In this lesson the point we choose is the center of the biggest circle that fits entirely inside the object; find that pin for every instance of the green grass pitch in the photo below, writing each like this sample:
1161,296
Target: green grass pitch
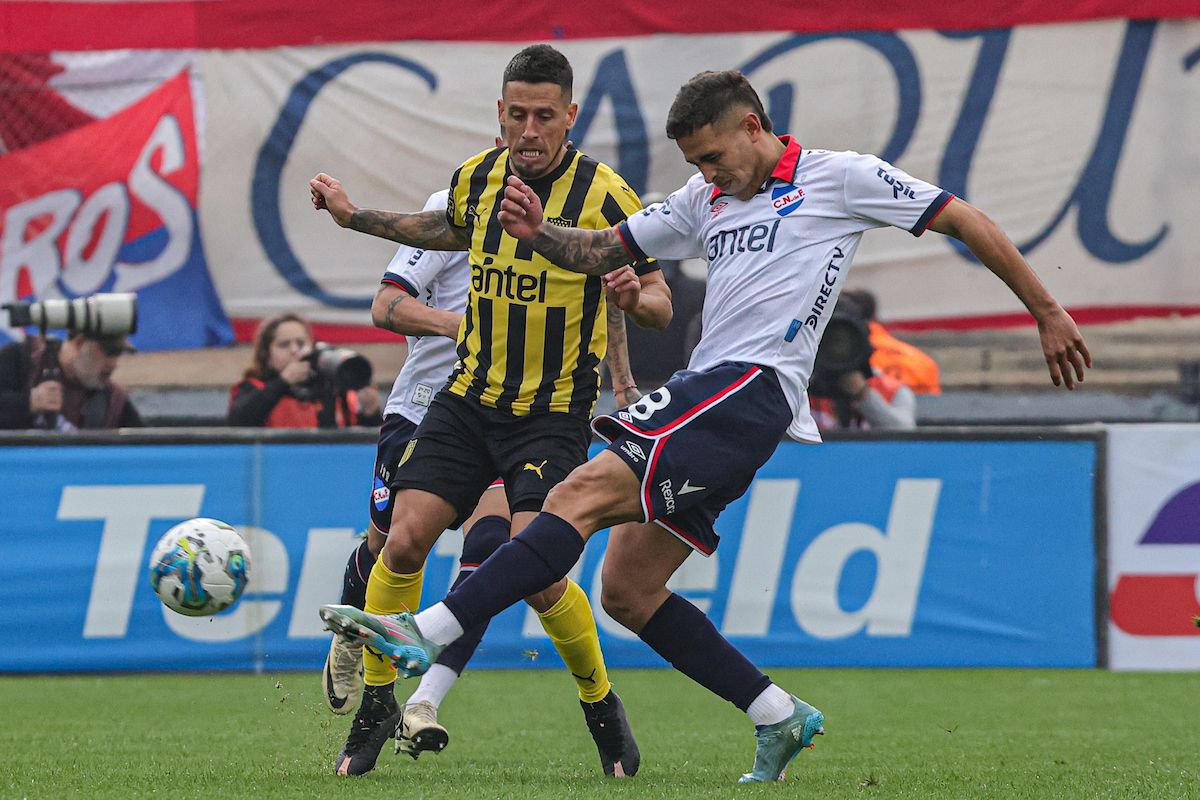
520,734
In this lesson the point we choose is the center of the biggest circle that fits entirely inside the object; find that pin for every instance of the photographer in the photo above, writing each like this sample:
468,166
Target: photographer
905,362
67,385
845,391
282,387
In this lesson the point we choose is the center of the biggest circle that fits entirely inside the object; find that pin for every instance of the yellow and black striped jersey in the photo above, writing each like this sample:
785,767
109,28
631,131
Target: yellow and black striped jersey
533,334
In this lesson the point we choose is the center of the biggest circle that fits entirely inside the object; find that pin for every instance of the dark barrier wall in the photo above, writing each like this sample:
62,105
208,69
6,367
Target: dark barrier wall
954,549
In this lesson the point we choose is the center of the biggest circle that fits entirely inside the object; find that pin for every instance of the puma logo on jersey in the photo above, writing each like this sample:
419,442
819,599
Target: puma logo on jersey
538,469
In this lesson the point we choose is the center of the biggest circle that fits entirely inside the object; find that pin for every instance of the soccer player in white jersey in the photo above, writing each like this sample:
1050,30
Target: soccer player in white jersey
779,226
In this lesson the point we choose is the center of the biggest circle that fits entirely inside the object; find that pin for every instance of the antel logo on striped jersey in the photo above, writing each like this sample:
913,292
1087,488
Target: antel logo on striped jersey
786,199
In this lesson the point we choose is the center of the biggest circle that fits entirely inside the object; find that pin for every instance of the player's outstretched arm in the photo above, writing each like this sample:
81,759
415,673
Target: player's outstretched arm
1062,344
428,229
573,249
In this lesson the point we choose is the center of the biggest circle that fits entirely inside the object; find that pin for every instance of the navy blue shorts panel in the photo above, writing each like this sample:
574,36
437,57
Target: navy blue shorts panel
696,443
394,435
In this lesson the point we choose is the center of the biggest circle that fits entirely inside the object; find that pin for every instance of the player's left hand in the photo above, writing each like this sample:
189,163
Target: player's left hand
327,193
520,210
624,288
1064,348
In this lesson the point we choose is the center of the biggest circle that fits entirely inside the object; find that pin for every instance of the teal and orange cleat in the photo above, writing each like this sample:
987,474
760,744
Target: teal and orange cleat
778,744
394,635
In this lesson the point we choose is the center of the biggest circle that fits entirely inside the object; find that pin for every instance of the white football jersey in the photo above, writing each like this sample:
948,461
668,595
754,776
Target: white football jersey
439,279
777,262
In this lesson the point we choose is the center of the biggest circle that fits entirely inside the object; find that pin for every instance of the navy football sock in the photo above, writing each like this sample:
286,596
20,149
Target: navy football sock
531,561
485,537
358,569
680,633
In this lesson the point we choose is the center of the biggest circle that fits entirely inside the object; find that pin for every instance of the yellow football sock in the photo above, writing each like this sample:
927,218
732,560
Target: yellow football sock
572,628
388,593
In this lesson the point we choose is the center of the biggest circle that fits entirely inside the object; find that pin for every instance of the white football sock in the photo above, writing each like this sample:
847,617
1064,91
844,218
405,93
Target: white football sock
773,705
435,685
438,624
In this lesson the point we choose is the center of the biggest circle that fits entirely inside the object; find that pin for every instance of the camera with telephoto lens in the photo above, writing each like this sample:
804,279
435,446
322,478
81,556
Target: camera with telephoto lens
845,347
97,315
335,369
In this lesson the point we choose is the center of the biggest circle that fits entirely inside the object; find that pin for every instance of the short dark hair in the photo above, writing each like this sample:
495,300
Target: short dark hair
705,99
540,63
866,301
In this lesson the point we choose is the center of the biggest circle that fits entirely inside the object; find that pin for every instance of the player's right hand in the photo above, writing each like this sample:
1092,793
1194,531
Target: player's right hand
1063,346
46,396
327,193
520,210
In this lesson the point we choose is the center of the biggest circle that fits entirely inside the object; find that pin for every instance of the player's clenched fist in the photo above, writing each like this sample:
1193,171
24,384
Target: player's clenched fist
623,287
520,210
327,193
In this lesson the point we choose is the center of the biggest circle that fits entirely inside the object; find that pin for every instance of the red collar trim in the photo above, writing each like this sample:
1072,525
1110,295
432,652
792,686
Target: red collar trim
785,168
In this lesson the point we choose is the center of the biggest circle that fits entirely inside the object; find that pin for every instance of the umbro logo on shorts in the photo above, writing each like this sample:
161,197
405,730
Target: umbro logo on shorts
634,451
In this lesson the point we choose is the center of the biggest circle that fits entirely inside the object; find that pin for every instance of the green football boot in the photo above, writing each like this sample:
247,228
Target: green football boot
778,744
395,635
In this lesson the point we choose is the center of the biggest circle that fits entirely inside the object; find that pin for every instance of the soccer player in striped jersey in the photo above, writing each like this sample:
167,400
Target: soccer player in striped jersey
520,399
423,295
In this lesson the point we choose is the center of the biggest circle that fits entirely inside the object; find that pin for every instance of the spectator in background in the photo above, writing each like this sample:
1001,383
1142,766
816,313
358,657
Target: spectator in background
847,390
280,388
905,362
64,385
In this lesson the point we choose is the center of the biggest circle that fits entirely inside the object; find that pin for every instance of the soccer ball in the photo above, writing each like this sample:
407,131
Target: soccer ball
200,567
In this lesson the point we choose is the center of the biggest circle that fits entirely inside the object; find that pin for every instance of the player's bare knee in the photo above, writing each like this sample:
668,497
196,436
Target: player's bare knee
575,498
404,552
546,599
620,602
589,497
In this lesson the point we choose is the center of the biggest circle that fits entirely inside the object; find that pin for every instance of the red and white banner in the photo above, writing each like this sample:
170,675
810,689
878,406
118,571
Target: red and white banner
110,205
1154,546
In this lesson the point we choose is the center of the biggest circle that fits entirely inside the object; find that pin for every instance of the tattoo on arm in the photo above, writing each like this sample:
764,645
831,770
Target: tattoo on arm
618,348
589,252
388,322
427,229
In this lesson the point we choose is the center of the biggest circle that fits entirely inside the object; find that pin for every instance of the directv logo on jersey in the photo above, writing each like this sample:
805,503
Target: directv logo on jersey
786,199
